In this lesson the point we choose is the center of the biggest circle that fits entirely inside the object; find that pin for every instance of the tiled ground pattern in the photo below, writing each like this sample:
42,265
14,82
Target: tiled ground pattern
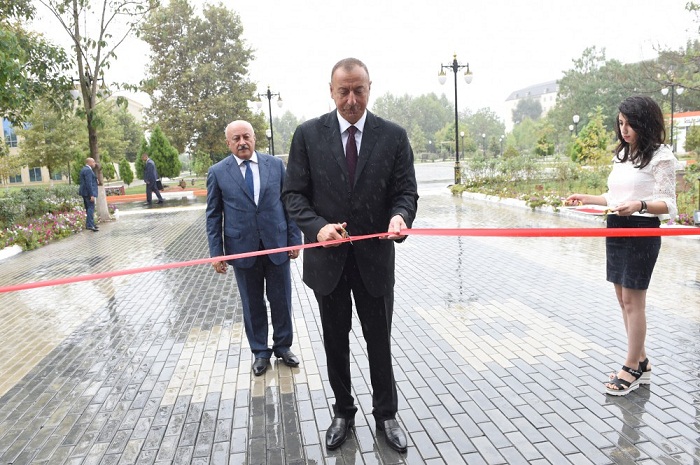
501,346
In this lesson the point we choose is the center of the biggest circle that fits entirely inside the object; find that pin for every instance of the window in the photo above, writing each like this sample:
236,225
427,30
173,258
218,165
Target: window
57,176
16,178
35,174
9,133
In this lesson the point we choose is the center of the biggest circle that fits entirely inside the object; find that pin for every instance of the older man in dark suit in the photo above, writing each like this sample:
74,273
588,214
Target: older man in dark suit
350,170
88,191
245,214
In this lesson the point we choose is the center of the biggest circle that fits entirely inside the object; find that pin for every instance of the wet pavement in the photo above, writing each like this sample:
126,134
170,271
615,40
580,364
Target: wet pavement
501,346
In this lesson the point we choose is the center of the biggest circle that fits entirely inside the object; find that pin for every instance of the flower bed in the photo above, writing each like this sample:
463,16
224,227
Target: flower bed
42,230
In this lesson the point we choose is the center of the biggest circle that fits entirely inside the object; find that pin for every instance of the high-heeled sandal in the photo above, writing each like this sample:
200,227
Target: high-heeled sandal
623,387
646,372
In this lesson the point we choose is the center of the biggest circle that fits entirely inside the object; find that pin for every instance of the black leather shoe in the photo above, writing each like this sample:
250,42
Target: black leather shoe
289,359
395,436
337,433
260,366
160,201
93,229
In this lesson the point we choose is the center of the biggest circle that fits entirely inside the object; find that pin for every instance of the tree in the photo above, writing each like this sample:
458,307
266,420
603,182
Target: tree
527,108
197,78
9,164
284,127
51,138
31,68
93,51
692,139
140,165
125,171
132,132
164,155
202,163
590,147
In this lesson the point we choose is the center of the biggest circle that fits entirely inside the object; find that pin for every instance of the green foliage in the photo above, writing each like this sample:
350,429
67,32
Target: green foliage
21,205
197,77
202,162
527,108
164,155
125,171
132,133
51,138
139,165
692,139
31,68
591,145
284,127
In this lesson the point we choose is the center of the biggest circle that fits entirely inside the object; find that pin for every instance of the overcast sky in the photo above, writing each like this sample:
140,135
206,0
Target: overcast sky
509,44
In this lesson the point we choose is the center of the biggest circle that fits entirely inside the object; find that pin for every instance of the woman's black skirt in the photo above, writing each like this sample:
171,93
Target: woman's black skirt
631,260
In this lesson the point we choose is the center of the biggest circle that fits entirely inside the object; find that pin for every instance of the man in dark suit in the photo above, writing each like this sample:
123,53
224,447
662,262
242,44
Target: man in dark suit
150,177
350,170
88,191
245,214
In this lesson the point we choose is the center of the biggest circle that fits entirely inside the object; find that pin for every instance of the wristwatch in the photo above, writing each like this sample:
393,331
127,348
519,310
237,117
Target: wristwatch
644,207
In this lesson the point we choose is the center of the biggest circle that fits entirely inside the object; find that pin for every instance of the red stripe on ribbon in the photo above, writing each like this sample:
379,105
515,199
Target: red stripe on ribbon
472,232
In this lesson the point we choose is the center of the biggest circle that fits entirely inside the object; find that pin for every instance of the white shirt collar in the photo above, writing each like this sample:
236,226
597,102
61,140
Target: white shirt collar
253,158
344,125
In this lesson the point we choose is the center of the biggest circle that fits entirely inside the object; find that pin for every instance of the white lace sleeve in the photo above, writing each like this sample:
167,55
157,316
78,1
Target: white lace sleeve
664,171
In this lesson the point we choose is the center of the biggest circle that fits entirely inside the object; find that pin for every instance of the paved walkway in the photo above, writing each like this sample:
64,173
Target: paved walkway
500,345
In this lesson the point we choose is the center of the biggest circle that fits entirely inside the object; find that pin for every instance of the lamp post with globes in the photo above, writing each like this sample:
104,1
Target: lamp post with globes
483,143
500,139
269,96
461,134
576,119
675,89
442,77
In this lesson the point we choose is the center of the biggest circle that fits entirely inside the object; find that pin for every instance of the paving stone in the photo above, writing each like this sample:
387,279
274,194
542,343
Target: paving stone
498,358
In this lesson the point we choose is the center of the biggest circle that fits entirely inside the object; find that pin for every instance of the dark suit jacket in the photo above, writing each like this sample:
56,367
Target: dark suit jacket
150,173
88,182
235,224
316,192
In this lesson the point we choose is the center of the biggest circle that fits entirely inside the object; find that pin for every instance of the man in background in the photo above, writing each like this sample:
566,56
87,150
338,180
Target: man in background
150,177
88,191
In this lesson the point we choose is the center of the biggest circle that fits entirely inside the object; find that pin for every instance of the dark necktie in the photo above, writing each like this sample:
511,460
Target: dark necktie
351,154
249,178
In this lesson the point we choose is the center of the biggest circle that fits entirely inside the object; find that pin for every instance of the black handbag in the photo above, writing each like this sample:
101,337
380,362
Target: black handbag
159,184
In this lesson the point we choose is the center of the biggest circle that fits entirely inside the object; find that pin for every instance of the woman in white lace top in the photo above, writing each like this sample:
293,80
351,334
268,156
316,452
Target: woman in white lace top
641,191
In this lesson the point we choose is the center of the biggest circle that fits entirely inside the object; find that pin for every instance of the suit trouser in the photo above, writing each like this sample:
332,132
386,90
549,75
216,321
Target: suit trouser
252,283
89,212
150,189
375,315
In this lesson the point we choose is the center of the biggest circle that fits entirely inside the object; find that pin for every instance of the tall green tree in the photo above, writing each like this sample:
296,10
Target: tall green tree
198,76
125,172
111,22
284,127
31,68
592,145
51,138
132,131
164,155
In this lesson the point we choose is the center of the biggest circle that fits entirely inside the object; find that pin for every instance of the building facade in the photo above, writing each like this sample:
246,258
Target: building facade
545,93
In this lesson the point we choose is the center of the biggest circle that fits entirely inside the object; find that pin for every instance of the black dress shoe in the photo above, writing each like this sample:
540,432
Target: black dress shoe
395,436
337,433
259,366
160,201
289,359
93,229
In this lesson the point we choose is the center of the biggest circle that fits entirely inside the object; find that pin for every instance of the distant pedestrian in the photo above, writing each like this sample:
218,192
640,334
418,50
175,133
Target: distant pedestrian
641,190
88,191
150,177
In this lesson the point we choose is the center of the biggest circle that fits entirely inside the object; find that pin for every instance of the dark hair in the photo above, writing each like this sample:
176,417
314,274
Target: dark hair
347,64
645,117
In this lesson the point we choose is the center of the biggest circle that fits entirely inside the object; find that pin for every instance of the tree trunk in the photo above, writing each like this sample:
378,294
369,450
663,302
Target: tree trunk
101,205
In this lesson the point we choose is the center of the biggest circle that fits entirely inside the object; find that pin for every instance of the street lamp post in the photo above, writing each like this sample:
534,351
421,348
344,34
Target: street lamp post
461,134
571,129
576,120
675,89
269,96
483,143
455,67
500,139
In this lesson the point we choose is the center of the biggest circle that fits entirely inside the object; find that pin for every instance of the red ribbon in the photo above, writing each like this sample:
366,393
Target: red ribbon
473,232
